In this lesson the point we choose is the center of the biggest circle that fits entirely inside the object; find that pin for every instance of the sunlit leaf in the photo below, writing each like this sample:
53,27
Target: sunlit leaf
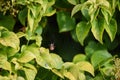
58,73
51,2
75,71
18,66
30,20
40,61
65,22
57,61
76,9
98,26
82,76
30,66
82,31
28,53
106,16
94,14
69,76
37,38
111,29
30,73
68,65
20,78
79,57
74,2
9,39
85,66
20,34
4,78
34,9
26,56
47,60
4,64
50,12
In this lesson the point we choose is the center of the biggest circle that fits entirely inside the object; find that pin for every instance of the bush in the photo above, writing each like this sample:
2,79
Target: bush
59,39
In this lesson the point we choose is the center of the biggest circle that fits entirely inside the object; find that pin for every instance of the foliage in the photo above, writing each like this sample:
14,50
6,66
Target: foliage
84,32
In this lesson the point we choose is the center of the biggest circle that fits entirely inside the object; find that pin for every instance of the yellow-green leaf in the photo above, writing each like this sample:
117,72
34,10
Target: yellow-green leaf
79,57
76,9
85,66
74,2
98,28
69,76
58,73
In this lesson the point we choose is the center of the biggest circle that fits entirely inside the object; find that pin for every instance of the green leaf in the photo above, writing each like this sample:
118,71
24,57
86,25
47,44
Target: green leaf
30,66
74,36
82,76
11,51
75,72
76,9
69,76
20,34
58,73
99,56
26,56
108,70
7,21
74,2
79,57
37,38
9,39
39,30
99,77
72,72
34,9
40,61
93,14
111,29
106,16
44,59
30,20
17,66
20,78
82,31
30,73
85,13
92,47
47,61
85,66
62,4
4,64
65,22
22,16
98,26
68,65
119,5
57,61
4,78
28,53
49,12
